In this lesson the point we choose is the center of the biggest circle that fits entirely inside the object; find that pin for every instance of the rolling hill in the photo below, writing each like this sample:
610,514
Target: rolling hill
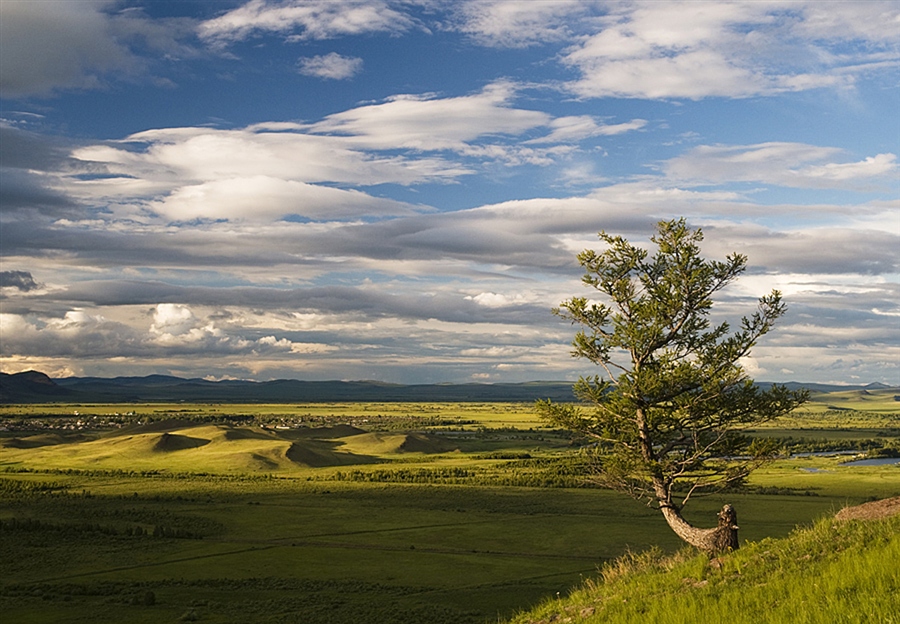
175,446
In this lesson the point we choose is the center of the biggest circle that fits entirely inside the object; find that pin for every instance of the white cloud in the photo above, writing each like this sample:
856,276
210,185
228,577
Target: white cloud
864,20
693,75
513,23
305,19
265,198
309,347
498,300
174,156
693,50
172,318
577,128
176,331
431,123
779,163
257,172
270,170
78,331
496,352
872,166
13,325
331,66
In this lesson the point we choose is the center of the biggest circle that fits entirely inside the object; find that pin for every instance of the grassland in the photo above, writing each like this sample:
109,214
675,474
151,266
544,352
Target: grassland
831,572
353,512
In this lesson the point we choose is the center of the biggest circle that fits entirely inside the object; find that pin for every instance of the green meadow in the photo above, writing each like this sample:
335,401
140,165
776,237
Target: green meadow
352,512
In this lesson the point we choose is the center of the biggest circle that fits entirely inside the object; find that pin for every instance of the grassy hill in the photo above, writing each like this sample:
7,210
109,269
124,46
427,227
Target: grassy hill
834,571
178,446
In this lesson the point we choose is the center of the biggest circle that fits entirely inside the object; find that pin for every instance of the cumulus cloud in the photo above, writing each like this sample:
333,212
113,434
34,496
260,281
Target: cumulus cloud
172,318
176,331
305,19
498,300
75,333
331,66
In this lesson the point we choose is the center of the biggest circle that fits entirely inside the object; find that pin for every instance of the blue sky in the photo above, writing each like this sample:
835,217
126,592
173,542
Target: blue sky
371,189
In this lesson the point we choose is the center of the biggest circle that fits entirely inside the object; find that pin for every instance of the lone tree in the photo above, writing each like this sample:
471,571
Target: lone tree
667,414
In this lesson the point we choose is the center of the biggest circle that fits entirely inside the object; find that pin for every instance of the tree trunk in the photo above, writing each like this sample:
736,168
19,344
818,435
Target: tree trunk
713,541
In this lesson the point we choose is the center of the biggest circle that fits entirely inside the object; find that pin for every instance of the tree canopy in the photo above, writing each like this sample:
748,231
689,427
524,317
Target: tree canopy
667,413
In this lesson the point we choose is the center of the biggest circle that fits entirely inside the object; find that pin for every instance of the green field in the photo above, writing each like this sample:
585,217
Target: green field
354,512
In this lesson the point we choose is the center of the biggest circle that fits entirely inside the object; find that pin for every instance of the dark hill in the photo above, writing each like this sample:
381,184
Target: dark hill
161,388
33,387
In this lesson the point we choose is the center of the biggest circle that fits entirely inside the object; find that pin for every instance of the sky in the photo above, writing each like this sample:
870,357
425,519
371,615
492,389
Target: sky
396,190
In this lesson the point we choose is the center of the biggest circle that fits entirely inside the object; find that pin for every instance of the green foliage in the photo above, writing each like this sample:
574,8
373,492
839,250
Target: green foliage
667,412
547,472
12,488
405,475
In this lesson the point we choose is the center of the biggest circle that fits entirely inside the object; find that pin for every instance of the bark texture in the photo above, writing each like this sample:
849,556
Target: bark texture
721,539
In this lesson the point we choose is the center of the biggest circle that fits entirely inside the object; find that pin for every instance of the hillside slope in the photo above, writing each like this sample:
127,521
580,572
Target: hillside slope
834,571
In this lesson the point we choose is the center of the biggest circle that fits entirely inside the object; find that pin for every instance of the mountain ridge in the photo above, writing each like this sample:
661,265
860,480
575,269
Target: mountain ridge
37,387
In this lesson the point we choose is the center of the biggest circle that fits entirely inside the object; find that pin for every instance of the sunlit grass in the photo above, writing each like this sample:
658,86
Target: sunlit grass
515,415
829,572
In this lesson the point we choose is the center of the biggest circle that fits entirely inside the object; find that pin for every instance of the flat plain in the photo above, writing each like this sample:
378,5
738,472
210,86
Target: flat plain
348,512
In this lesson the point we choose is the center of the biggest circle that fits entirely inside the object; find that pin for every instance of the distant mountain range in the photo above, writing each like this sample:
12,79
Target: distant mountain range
36,387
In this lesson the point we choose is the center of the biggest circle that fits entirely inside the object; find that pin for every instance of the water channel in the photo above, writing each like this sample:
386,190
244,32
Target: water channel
875,461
